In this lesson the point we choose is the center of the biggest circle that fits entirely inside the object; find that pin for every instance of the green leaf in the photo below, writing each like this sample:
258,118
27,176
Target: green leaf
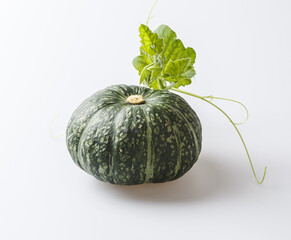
180,71
183,82
151,44
164,59
178,67
141,61
173,47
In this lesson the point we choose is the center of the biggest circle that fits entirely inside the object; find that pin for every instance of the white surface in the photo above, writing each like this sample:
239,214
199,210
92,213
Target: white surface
54,54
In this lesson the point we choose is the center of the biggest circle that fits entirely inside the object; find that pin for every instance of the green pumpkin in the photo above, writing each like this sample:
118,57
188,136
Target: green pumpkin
130,135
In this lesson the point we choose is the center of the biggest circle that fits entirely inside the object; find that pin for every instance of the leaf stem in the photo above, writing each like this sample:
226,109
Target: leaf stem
170,86
234,125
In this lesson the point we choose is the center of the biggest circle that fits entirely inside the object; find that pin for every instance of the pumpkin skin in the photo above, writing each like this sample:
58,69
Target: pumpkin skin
126,144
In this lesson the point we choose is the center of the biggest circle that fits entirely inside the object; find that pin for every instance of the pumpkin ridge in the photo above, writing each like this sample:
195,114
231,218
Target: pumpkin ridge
149,166
192,130
177,134
176,111
112,144
178,139
79,156
74,127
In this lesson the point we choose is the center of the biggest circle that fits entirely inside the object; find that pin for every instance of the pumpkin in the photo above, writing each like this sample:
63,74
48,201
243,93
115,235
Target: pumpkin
130,135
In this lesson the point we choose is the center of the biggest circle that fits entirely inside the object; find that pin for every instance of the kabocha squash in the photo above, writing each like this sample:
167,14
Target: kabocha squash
130,135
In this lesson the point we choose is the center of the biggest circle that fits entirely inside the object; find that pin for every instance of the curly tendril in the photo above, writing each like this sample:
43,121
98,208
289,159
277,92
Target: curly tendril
231,100
234,125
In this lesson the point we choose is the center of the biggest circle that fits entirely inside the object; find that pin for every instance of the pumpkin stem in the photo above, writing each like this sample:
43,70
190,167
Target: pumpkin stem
135,99
234,125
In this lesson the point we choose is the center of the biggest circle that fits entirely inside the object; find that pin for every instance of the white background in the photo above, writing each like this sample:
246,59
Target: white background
54,54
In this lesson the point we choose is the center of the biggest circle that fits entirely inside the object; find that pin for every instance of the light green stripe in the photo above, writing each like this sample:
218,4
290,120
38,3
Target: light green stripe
80,149
178,140
149,171
114,141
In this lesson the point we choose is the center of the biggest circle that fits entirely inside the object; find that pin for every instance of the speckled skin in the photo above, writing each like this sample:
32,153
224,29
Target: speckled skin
127,144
